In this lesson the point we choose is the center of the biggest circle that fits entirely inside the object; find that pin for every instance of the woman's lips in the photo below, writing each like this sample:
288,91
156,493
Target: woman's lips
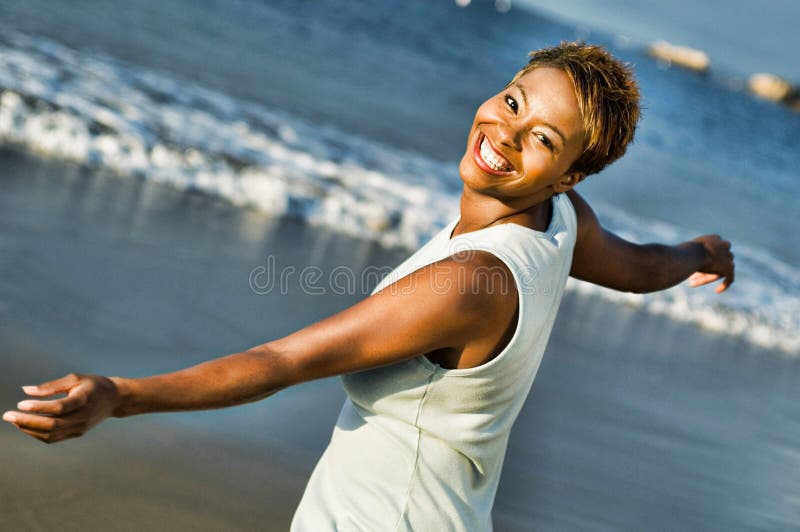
488,160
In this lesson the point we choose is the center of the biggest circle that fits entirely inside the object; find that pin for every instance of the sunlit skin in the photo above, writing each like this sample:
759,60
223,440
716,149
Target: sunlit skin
524,124
534,130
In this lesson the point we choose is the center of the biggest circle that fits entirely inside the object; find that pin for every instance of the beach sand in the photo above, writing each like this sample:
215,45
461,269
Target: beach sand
634,422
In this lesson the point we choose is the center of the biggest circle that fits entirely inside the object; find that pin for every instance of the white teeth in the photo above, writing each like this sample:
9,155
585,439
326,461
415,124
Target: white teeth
492,159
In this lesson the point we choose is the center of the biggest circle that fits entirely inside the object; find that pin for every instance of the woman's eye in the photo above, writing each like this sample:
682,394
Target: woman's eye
512,103
546,141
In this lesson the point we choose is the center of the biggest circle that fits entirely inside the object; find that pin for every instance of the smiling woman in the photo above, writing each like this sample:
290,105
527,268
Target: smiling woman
438,361
525,139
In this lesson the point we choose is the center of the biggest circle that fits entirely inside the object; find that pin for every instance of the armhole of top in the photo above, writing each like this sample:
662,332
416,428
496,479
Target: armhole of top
570,216
486,366
385,281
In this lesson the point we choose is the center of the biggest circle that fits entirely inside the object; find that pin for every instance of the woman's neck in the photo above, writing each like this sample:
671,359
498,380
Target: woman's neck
480,210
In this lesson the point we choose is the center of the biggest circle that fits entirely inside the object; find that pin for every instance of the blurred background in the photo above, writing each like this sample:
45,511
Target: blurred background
154,154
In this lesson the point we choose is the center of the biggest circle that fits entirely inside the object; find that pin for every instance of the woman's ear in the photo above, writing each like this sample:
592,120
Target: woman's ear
567,181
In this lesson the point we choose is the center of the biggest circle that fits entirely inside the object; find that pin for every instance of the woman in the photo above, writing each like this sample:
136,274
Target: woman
439,360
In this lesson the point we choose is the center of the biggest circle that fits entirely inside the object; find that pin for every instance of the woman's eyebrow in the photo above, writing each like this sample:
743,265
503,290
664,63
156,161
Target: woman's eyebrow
554,128
524,94
547,124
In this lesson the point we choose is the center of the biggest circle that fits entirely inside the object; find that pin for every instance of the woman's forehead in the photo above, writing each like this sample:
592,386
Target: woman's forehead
550,94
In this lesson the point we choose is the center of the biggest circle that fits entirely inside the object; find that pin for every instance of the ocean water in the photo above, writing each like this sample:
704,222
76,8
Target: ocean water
741,37
353,115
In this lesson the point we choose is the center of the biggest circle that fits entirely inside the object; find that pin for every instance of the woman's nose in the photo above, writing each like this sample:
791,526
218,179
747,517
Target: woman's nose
509,137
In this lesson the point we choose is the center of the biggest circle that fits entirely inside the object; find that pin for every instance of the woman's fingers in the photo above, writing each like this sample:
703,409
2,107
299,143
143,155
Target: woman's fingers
725,283
55,407
62,385
39,435
33,421
46,437
45,428
700,279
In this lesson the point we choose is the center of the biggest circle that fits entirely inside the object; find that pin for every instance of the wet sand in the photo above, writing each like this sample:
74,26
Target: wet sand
634,422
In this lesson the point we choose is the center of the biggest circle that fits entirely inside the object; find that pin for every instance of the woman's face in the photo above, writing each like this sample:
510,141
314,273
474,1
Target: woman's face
524,139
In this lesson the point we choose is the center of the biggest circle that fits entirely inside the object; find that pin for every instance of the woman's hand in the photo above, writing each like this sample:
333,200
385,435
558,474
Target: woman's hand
719,263
90,399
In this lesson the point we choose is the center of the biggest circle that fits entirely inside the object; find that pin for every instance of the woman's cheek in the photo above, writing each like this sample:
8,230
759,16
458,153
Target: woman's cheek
532,167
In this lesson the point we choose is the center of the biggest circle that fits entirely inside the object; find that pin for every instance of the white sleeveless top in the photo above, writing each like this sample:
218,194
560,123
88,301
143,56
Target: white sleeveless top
420,447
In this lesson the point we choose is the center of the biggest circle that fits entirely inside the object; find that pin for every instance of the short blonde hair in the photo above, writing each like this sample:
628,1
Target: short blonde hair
608,97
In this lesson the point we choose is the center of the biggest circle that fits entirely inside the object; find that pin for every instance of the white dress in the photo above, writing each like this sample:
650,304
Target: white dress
420,447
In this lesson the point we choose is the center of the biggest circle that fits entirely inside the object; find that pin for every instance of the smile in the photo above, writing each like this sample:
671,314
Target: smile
489,160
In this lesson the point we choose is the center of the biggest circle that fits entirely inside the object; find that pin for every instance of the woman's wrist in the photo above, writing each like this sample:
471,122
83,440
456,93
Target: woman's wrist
698,253
122,397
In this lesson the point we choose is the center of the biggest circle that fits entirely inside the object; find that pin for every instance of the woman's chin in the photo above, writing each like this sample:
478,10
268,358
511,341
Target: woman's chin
471,176
475,178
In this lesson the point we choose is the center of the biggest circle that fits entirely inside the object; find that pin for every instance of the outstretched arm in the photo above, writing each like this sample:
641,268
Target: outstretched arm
603,258
446,305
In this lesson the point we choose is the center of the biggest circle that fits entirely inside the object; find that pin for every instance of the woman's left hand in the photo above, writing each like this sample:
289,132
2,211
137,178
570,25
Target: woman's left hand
719,263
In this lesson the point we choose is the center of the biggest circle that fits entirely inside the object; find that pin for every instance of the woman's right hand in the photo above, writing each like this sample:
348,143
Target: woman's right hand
89,400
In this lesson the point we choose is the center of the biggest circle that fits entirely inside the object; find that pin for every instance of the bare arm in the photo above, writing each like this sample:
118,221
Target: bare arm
423,312
603,258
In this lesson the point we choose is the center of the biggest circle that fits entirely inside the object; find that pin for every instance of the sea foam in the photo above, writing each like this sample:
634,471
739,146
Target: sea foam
94,110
